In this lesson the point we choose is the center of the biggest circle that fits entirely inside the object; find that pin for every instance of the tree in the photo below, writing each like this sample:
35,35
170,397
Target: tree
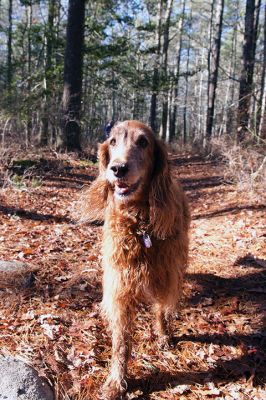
166,28
185,128
49,45
261,123
9,47
173,112
71,100
213,63
228,125
154,60
29,71
156,75
246,79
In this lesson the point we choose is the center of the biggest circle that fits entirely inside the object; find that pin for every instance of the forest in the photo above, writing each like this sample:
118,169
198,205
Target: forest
194,71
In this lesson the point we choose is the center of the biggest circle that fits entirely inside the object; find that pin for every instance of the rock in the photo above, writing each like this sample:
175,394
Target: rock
10,266
19,381
15,274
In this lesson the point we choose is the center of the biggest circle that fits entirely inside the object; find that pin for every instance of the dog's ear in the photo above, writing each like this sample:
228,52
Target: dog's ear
161,196
103,157
92,203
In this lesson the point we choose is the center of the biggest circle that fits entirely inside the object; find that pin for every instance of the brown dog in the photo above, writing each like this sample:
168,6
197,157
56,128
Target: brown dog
145,244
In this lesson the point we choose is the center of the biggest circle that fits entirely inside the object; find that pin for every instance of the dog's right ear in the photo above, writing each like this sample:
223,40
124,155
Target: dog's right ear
103,157
92,203
160,196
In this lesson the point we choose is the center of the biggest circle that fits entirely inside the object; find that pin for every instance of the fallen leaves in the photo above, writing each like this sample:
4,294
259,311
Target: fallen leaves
219,337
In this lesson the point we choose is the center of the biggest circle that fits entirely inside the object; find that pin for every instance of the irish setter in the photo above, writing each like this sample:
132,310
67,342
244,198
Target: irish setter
145,240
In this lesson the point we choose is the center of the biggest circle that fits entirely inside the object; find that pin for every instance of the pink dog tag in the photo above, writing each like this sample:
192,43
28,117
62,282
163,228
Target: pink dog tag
147,240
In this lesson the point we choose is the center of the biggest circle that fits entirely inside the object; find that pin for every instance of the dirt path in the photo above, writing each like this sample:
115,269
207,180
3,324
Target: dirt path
54,323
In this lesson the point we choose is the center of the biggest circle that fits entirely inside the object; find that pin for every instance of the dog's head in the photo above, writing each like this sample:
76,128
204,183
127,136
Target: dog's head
134,169
134,164
131,159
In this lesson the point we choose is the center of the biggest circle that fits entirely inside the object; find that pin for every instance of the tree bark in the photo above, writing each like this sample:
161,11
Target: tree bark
50,36
165,68
230,115
156,77
261,123
71,101
9,47
185,128
246,80
177,72
214,61
29,77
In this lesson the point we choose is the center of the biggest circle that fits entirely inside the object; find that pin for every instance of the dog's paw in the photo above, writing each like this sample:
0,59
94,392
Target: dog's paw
113,389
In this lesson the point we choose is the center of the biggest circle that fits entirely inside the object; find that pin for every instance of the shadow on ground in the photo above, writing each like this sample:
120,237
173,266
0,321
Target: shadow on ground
252,365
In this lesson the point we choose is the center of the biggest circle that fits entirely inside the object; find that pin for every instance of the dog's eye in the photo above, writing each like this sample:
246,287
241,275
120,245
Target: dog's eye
113,142
142,142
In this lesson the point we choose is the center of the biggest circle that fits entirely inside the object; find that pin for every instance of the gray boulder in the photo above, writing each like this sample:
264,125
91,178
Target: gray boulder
19,381
16,275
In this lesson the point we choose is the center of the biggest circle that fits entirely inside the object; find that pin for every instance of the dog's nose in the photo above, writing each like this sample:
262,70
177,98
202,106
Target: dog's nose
119,170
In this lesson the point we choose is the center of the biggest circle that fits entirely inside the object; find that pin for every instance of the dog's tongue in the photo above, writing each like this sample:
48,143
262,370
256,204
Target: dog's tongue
122,187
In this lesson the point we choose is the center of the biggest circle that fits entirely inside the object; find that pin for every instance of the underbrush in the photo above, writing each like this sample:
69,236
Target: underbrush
23,168
244,165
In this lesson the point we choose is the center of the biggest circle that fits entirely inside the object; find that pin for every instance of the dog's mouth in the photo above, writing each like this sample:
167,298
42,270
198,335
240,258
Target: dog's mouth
123,189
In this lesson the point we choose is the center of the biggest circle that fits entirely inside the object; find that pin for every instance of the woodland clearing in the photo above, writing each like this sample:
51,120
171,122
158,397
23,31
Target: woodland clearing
55,323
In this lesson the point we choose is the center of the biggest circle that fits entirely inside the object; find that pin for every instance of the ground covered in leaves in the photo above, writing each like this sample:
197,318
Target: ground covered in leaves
54,322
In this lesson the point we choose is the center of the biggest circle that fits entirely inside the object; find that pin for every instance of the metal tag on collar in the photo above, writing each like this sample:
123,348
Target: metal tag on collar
147,240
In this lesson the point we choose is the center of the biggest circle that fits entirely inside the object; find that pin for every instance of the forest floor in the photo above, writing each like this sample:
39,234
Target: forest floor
54,323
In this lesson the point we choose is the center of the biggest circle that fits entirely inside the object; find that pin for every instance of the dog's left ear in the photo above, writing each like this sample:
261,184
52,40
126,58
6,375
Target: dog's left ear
162,195
93,201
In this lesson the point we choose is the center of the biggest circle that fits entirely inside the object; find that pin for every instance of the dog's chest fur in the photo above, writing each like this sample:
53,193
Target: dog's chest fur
124,233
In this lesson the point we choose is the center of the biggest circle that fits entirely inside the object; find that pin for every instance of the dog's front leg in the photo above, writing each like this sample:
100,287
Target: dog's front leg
118,313
115,386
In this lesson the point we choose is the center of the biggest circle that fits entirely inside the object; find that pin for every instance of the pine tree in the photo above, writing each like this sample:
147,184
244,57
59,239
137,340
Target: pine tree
71,100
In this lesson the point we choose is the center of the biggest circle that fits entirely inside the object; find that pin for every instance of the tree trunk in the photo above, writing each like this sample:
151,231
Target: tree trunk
230,115
227,125
156,77
114,112
9,48
254,102
177,73
44,135
165,68
214,61
170,108
246,80
185,128
29,77
201,108
261,123
71,101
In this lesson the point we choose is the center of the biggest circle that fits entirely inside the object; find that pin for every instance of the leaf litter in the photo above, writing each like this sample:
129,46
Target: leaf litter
219,332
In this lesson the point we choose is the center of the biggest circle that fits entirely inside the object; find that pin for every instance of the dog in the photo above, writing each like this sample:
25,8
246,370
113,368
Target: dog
145,237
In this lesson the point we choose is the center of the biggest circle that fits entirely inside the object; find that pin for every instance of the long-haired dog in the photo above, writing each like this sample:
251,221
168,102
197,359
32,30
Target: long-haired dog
145,237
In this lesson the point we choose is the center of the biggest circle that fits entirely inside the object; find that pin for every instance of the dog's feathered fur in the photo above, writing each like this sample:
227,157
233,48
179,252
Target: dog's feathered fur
158,208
